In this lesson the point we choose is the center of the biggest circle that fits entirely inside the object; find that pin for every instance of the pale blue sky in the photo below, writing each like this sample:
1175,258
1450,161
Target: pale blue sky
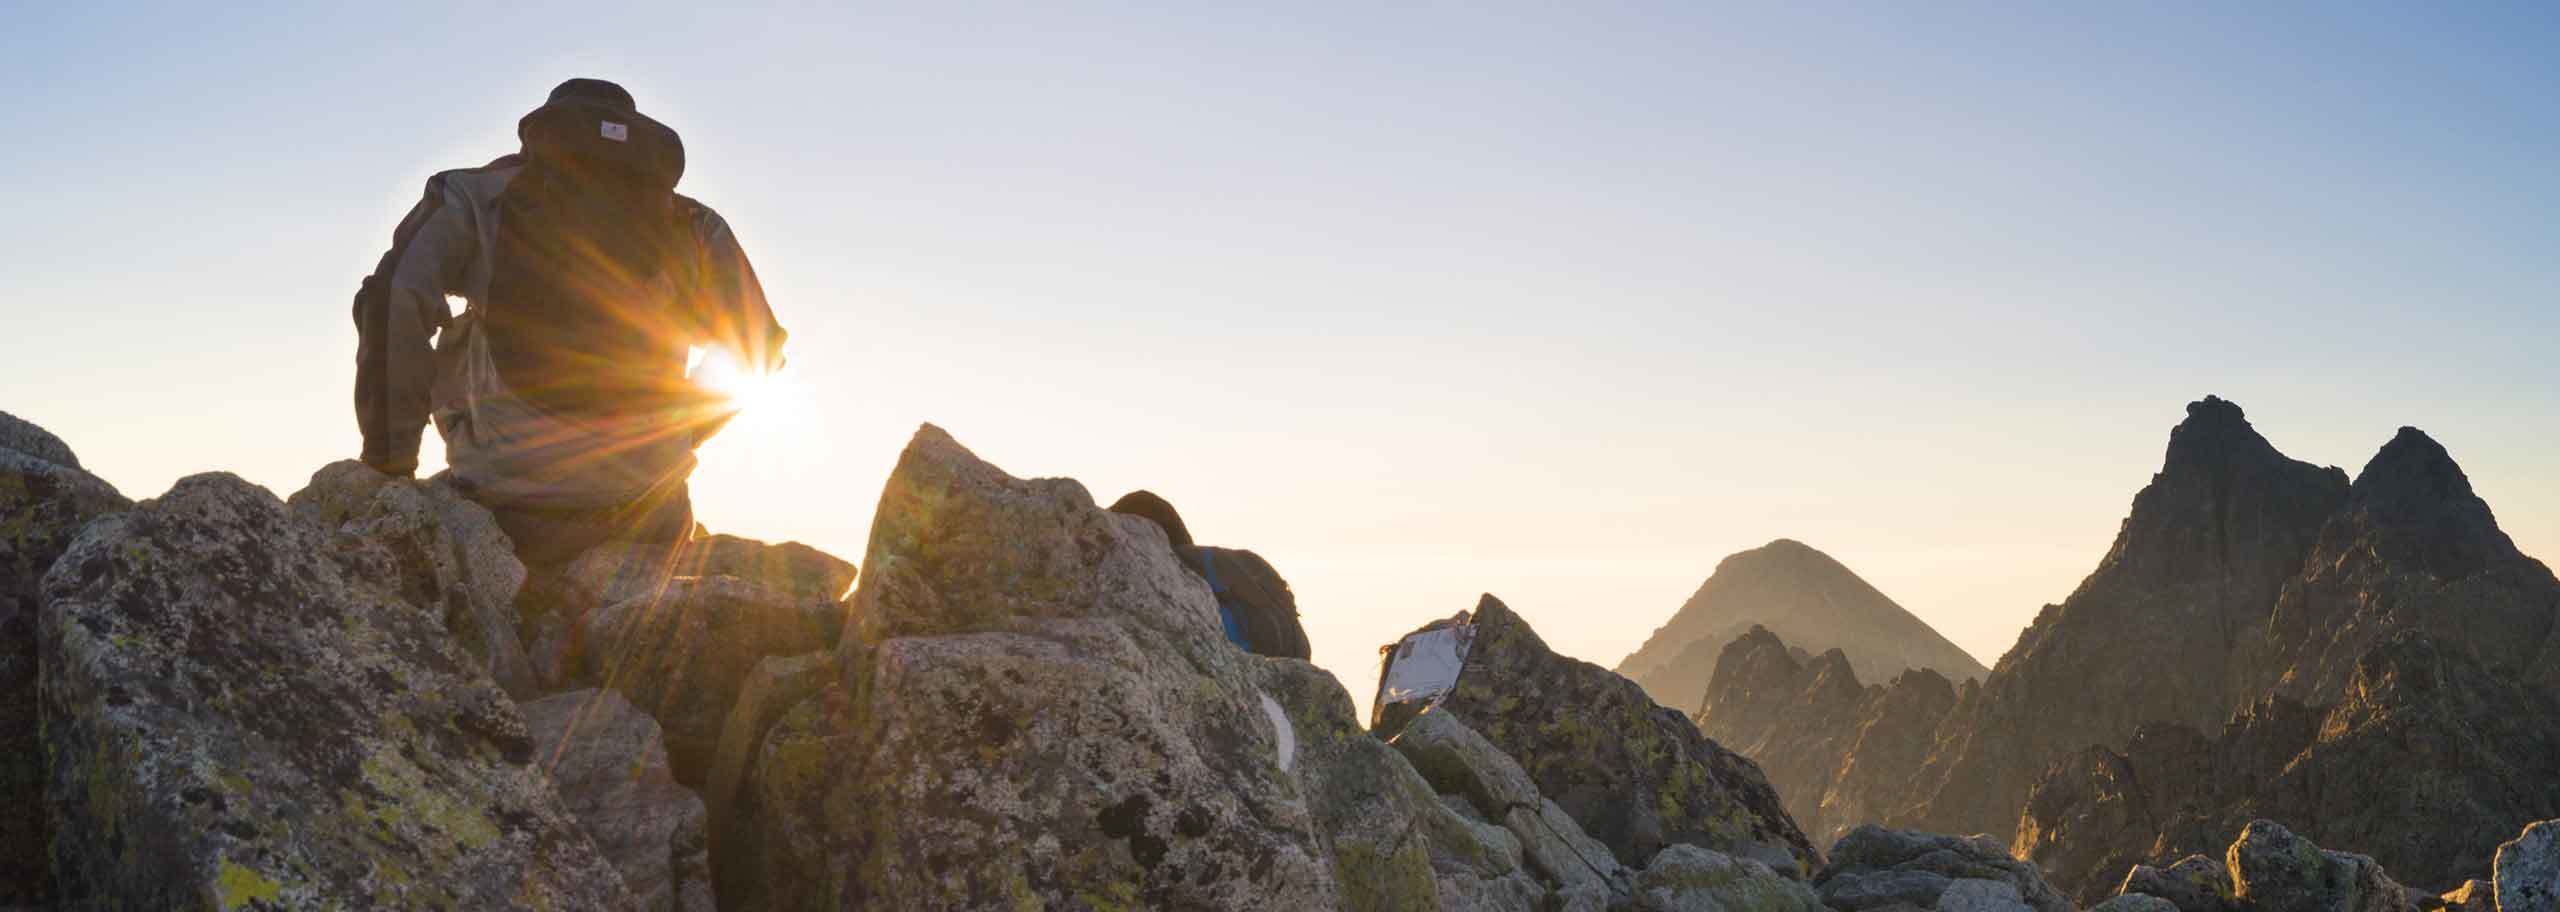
1560,303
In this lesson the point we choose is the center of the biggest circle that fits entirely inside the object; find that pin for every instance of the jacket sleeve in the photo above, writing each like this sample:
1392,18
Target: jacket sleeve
398,310
729,306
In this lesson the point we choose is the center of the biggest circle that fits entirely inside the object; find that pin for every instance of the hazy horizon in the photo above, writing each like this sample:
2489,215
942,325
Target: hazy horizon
1561,305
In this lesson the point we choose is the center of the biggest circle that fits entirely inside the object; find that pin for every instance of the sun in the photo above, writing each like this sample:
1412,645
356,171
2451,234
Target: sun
719,373
766,411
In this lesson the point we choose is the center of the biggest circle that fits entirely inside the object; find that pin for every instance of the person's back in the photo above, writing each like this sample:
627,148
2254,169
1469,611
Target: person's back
561,392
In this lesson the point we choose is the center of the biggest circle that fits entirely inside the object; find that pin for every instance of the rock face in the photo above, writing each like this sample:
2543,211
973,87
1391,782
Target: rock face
451,558
1806,598
1877,868
2207,547
45,499
2428,763
2414,550
605,758
1036,707
1636,775
1818,733
236,717
2384,657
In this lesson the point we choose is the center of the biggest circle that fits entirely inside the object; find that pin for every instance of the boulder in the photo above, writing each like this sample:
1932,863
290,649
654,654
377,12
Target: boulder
791,568
2271,868
1874,867
683,652
1977,894
2136,902
557,602
1457,761
452,560
1036,708
1686,878
1637,776
605,758
2196,883
776,684
238,718
2528,870
1393,844
45,499
619,571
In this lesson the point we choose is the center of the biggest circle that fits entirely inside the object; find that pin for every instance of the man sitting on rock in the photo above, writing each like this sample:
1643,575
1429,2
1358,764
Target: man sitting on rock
561,392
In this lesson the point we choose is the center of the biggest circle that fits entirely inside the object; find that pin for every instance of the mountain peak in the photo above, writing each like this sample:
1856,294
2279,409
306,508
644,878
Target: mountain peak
2414,504
2414,465
2214,408
1788,589
2216,433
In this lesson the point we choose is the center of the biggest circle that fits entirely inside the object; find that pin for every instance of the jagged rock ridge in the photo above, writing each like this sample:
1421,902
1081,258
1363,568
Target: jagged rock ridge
1806,598
2240,575
2427,763
2147,637
1825,741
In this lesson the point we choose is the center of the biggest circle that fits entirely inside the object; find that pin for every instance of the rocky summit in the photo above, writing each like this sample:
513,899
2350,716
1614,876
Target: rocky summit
359,697
1806,598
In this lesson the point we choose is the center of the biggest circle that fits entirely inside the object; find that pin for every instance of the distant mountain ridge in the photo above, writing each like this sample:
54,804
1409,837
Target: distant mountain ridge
2381,665
1811,602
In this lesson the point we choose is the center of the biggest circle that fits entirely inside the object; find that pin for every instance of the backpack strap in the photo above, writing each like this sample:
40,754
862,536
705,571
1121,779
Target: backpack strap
1228,610
1209,570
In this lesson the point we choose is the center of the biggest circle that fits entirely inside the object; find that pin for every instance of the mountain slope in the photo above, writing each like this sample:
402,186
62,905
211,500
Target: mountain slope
1808,600
1814,729
2206,548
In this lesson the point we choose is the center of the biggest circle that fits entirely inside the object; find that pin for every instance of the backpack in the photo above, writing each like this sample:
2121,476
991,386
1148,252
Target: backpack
1255,605
585,282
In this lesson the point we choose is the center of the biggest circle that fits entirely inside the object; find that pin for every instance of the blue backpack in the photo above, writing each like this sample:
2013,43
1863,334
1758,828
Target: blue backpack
1228,607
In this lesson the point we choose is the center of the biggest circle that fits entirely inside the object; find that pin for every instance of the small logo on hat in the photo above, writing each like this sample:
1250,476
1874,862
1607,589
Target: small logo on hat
616,132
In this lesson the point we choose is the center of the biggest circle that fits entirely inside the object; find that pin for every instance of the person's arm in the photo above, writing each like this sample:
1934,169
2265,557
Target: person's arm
730,310
398,309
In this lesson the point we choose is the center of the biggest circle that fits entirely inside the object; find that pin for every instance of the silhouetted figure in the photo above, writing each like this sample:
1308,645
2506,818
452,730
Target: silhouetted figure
1254,604
561,390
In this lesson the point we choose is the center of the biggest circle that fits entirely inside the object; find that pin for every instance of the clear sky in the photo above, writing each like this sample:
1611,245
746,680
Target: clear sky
1561,302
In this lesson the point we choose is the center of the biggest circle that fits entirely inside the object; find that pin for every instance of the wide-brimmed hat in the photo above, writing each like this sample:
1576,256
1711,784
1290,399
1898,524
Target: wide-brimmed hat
592,123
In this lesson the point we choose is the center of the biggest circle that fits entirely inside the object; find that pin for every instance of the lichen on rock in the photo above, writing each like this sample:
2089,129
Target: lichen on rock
234,715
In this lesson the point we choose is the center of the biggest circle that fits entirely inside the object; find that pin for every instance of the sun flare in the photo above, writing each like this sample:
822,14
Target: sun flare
768,412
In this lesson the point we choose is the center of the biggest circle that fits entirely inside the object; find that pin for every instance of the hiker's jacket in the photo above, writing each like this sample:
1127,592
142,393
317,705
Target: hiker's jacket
553,446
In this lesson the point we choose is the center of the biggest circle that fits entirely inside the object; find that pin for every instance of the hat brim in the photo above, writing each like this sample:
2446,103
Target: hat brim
593,132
